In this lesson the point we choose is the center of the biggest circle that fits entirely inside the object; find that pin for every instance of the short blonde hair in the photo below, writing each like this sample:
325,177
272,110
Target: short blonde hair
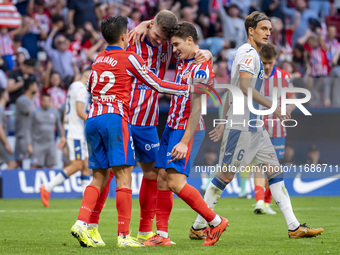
166,21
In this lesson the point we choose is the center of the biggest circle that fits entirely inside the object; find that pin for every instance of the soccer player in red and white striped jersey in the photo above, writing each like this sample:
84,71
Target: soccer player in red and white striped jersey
181,140
274,78
107,129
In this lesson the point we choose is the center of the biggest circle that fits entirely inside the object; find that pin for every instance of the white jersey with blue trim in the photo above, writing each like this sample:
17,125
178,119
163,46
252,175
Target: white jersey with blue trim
74,125
247,60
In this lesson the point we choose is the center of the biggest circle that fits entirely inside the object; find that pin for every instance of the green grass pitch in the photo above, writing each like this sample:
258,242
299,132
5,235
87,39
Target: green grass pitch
29,228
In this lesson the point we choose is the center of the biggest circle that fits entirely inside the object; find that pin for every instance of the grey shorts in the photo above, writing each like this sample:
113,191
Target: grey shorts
44,154
20,152
4,155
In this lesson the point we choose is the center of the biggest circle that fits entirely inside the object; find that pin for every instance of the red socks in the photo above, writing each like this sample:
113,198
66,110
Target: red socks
194,199
259,193
94,218
147,202
164,202
124,206
90,198
268,196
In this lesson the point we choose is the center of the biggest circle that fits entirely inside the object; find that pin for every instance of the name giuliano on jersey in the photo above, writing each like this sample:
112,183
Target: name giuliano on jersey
280,79
113,71
74,125
188,73
246,60
144,100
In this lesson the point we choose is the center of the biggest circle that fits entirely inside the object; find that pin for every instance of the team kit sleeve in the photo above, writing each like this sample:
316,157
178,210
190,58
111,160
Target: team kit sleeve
247,62
138,69
82,94
203,74
288,83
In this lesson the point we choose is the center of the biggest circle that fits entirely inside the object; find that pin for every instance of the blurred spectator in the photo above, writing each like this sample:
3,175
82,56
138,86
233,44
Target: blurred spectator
41,134
331,43
273,8
6,153
288,159
21,6
6,47
24,106
17,78
40,16
188,14
313,155
333,82
291,69
233,26
135,19
320,7
279,38
17,48
300,59
305,15
244,6
79,12
53,85
60,57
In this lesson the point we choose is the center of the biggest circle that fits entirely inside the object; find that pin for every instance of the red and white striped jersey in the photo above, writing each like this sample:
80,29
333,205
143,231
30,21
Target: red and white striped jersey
188,73
144,101
113,71
280,79
6,45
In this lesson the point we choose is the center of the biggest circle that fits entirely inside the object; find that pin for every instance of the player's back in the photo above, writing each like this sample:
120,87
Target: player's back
74,125
246,60
110,82
144,100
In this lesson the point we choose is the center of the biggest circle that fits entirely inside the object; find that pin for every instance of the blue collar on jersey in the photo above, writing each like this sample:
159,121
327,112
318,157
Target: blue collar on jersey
274,69
190,59
149,43
113,48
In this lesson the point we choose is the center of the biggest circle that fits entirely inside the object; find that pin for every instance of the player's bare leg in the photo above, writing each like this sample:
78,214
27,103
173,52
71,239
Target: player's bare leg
281,197
45,191
147,200
259,182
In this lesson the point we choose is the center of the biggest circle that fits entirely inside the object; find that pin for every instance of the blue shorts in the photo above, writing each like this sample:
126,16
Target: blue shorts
146,142
279,146
109,141
169,139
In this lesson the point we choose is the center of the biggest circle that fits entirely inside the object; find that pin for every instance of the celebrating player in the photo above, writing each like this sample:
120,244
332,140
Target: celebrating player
107,129
243,143
154,47
74,126
274,78
181,140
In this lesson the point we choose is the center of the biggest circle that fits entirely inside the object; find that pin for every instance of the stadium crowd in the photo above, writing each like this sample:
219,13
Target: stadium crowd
57,39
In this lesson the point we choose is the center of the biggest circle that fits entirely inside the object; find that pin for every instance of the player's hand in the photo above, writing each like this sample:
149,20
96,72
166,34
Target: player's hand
29,149
198,89
179,151
202,56
217,133
277,112
8,148
139,31
61,143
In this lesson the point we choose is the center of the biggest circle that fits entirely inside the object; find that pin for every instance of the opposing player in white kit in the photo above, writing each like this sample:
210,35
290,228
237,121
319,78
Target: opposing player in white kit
74,126
245,140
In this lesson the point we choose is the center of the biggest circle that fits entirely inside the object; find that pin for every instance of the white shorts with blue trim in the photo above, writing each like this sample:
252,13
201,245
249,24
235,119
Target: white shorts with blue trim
77,149
240,148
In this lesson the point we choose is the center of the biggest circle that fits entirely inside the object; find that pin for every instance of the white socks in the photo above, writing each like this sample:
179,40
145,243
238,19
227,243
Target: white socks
281,197
211,197
58,179
163,234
